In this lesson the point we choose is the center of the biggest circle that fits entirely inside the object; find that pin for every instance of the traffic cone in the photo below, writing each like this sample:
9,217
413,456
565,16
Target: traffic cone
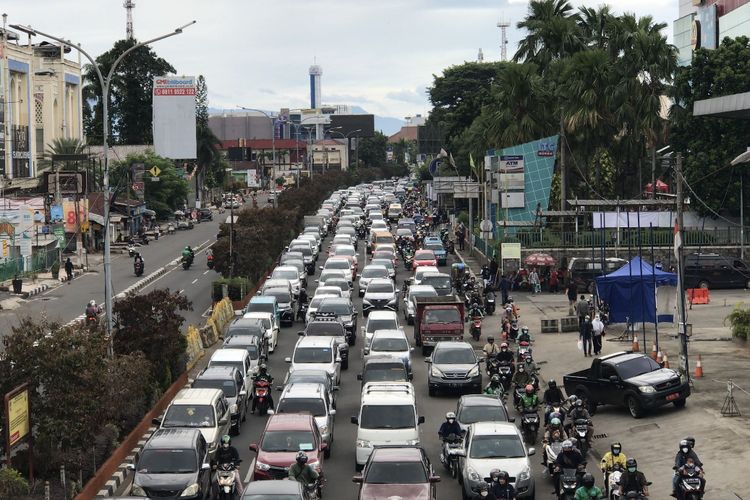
659,358
698,368
666,361
636,347
654,354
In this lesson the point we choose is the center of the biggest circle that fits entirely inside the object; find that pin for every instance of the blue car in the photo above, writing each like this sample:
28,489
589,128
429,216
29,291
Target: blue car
434,244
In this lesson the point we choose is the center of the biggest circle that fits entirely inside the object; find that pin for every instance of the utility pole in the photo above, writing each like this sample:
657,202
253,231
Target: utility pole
682,328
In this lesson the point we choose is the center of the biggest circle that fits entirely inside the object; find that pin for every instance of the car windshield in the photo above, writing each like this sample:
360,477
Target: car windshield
340,308
345,230
313,355
636,366
339,283
266,307
385,373
437,281
344,250
315,302
424,256
383,262
189,416
288,441
228,386
314,406
433,246
282,296
494,446
324,329
337,264
240,343
305,251
422,293
454,356
374,273
271,496
374,325
396,473
233,364
442,316
285,274
389,345
471,414
380,288
255,330
154,461
387,417
380,254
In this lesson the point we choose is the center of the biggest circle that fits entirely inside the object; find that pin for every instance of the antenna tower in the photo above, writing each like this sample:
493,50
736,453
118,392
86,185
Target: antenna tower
129,6
480,56
503,24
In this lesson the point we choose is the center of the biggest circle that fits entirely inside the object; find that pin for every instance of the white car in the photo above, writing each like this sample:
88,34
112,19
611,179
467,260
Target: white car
380,294
340,264
369,273
316,353
421,271
327,274
410,299
328,290
314,305
271,325
391,343
379,320
495,445
342,284
288,273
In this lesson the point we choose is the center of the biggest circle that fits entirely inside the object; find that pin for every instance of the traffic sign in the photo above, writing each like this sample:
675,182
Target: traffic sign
138,186
155,171
486,225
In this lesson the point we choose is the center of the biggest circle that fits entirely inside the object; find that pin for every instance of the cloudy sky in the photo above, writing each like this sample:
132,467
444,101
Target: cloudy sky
377,54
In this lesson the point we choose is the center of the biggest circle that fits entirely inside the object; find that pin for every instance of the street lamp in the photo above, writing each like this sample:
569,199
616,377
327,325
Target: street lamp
273,148
742,158
105,85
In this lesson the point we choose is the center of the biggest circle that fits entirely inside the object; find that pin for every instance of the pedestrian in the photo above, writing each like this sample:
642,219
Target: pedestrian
582,309
493,270
554,282
586,334
536,287
504,288
461,235
571,293
69,270
597,332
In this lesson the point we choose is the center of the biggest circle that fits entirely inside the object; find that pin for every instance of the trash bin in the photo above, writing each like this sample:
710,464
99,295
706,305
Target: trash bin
17,283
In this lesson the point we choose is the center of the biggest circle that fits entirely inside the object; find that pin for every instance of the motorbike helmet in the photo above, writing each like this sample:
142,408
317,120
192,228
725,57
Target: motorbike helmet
552,384
483,489
616,448
691,441
588,480
510,299
495,474
504,346
503,477
474,305
631,465
555,422
567,445
525,329
572,399
557,415
684,446
579,403
262,368
301,458
226,441
529,389
92,303
450,416
490,339
495,379
521,368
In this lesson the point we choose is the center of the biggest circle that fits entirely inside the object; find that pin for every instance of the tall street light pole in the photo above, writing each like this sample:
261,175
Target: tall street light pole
105,85
273,148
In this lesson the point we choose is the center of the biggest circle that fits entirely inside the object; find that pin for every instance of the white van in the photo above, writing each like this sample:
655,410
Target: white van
379,320
387,416
317,353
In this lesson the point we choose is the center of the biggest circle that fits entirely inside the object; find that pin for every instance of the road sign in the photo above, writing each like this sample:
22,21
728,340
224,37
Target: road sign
486,225
138,186
155,171
154,179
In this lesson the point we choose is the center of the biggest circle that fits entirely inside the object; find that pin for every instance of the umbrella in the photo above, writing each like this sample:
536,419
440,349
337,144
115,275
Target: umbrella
539,259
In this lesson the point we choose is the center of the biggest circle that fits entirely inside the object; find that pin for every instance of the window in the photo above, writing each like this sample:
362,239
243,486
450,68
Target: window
374,325
380,288
396,473
315,406
471,414
155,461
227,386
454,356
442,316
385,373
637,366
496,446
607,371
390,345
387,417
313,355
189,416
288,441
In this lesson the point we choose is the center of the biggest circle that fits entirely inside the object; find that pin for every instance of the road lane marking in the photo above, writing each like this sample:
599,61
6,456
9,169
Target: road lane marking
205,272
193,282
181,291
250,471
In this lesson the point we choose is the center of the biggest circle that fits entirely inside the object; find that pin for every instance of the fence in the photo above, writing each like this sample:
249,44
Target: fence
40,261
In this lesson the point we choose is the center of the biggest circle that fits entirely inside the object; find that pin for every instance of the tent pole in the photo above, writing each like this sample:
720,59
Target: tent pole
640,271
653,274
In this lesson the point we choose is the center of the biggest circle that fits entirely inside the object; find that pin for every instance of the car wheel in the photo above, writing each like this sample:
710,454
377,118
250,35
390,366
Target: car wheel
634,407
345,364
680,403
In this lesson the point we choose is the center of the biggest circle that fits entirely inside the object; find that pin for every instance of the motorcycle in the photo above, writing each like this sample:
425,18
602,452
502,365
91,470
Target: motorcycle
612,480
408,261
493,366
132,249
524,349
451,445
689,486
530,425
226,482
489,302
505,370
580,434
313,490
476,327
552,450
187,262
262,388
138,268
210,261
568,484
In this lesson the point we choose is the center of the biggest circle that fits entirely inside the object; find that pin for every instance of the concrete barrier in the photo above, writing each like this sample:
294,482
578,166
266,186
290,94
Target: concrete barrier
550,326
569,324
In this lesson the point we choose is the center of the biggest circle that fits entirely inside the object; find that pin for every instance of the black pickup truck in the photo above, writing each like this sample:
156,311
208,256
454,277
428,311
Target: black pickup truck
628,379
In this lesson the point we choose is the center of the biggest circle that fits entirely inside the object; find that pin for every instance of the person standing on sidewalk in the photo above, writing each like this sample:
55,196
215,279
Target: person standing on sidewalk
554,282
536,287
504,289
586,334
571,293
582,309
69,270
461,235
597,328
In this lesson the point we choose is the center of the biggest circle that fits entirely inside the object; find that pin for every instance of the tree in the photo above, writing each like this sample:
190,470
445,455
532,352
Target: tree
372,150
151,325
553,33
130,93
63,146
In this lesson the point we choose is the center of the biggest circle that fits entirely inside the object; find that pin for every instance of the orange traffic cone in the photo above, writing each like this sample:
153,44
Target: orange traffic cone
654,353
698,368
636,347
659,358
666,361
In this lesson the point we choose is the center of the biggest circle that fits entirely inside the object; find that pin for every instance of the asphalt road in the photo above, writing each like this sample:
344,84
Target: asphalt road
340,467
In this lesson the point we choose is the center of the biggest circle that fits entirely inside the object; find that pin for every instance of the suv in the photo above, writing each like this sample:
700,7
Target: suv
236,358
268,321
379,320
253,327
453,366
174,463
312,399
387,415
317,353
711,270
232,384
325,325
391,343
258,349
401,472
342,264
383,369
416,291
343,311
369,273
290,273
584,270
286,302
284,435
380,294
205,409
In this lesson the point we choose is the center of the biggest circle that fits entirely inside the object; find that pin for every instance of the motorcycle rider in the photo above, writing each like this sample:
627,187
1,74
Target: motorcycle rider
500,486
495,387
226,454
587,491
521,378
578,412
690,468
187,253
505,356
554,432
302,472
612,458
513,332
684,452
633,479
92,310
553,396
524,335
450,426
569,458
476,310
490,349
529,401
262,375
529,365
138,258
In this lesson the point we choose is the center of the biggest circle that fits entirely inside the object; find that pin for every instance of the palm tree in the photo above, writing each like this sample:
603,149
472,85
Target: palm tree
596,25
62,146
552,33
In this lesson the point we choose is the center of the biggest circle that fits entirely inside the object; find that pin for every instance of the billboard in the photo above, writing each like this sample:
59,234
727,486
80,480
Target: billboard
347,124
174,117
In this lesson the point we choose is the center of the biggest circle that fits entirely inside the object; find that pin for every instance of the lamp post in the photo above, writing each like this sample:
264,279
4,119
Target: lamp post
273,148
105,85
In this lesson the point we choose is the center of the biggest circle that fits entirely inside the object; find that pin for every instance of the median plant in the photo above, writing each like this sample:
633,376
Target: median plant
739,320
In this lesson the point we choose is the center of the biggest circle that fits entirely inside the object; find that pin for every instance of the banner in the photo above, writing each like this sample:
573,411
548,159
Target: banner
17,414
510,251
174,117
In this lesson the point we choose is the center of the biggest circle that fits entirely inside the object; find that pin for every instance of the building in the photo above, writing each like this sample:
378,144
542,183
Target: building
704,23
40,93
330,154
316,72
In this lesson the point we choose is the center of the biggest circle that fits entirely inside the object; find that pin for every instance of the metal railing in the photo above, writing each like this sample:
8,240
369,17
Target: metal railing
16,266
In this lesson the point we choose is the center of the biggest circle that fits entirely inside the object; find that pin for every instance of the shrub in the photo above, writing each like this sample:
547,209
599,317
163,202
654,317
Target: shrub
739,319
12,484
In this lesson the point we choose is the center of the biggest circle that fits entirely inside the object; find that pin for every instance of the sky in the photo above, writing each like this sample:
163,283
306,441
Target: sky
380,55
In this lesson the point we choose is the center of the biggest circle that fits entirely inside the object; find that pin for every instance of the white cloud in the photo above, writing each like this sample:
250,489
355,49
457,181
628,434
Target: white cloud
257,52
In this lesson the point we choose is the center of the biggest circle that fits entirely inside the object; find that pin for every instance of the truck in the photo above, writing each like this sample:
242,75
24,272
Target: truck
316,221
628,379
437,318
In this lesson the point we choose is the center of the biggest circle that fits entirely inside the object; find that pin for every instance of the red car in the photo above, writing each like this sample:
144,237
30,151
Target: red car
284,436
402,472
424,258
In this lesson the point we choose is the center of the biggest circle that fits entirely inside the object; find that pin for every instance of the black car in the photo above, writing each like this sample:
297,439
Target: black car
256,346
205,214
383,369
343,310
173,464
711,270
250,326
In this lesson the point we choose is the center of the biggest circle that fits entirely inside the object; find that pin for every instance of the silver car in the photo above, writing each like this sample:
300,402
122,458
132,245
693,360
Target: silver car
369,273
310,398
381,294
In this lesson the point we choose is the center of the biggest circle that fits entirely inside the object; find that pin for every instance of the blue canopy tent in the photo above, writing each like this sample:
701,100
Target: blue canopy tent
631,292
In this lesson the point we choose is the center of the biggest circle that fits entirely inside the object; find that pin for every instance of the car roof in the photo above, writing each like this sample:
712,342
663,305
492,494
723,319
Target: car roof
382,315
385,262
286,268
196,396
494,428
289,421
176,438
336,300
397,454
380,281
391,334
273,487
480,400
374,266
229,355
315,342
262,299
453,344
218,372
303,390
422,288
242,340
382,360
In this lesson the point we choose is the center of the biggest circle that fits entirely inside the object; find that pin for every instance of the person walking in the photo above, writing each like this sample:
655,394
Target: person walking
504,288
582,309
69,270
586,334
597,328
461,235
536,286
571,293
554,282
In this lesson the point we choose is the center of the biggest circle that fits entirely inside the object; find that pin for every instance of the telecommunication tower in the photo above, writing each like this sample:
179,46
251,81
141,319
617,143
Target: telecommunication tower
503,24
129,6
480,56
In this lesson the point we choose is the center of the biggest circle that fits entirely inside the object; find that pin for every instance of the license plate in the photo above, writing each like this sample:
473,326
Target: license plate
674,396
453,385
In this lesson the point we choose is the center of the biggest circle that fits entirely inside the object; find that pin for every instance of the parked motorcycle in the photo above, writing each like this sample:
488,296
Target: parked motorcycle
262,388
226,481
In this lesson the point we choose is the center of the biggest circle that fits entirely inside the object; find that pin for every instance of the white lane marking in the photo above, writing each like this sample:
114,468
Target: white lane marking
181,291
205,272
193,282
249,475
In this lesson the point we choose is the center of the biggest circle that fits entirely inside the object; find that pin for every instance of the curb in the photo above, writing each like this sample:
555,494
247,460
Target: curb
34,291
118,478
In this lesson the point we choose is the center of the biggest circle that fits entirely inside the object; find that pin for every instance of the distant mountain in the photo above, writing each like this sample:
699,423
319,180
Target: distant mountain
385,124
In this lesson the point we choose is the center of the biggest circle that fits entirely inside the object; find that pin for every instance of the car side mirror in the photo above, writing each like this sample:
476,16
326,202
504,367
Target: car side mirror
243,392
301,333
287,360
332,412
420,420
411,349
355,420
428,360
156,421
320,267
511,419
338,359
411,376
357,479
359,376
270,411
269,335
459,452
253,447
434,479
280,388
130,466
614,379
366,351
224,421
205,466
335,388
532,451
323,446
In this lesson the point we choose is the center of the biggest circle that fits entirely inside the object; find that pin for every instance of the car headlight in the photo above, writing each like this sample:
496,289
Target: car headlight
647,389
261,466
474,372
346,319
524,475
435,371
473,475
212,447
366,302
234,408
137,491
363,443
191,490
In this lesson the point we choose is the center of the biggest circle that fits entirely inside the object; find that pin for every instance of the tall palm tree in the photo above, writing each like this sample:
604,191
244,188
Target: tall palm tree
552,33
596,25
62,146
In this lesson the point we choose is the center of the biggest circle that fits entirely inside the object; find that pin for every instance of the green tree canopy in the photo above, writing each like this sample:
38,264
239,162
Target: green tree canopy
372,150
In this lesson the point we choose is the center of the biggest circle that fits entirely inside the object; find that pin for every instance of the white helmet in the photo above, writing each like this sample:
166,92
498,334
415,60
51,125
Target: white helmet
450,415
92,302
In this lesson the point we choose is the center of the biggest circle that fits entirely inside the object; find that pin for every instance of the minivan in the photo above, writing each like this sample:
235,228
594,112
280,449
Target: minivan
584,270
379,237
711,270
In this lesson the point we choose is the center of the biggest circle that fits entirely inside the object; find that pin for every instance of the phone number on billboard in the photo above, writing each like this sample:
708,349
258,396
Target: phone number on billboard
174,91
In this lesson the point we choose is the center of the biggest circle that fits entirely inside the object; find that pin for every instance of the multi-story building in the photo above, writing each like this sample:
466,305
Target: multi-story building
704,23
40,101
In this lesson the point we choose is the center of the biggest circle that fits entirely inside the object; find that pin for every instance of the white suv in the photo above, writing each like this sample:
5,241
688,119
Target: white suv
387,416
379,320
317,353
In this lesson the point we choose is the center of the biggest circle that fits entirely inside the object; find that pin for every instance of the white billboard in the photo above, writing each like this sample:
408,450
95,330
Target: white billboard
252,178
174,117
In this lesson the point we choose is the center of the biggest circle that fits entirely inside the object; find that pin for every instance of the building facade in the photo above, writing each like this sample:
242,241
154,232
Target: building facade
40,101
704,23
